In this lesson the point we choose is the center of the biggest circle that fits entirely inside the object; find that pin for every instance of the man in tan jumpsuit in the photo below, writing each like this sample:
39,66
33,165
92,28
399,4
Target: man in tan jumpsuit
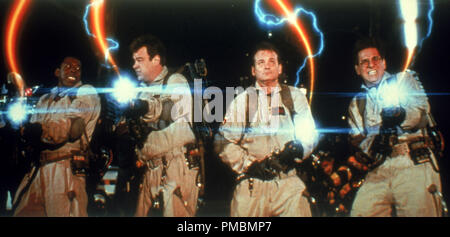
168,182
247,140
55,190
397,182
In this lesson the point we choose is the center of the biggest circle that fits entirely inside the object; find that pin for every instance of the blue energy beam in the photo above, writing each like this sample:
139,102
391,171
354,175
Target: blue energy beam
430,21
274,21
113,45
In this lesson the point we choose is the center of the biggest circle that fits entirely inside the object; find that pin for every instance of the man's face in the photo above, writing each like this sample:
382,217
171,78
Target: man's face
146,69
69,74
266,67
370,66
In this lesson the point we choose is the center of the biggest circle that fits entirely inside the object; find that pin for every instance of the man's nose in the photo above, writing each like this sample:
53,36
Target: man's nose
135,65
371,63
73,69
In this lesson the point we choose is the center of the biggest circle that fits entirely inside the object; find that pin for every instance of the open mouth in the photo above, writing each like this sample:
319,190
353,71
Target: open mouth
372,72
71,78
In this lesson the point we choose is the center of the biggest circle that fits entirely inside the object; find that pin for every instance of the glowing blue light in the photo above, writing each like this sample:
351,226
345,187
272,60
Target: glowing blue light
304,130
124,90
274,21
430,21
393,94
17,112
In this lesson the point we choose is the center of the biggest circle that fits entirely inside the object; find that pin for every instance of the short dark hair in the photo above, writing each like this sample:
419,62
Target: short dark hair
153,44
264,45
367,42
66,57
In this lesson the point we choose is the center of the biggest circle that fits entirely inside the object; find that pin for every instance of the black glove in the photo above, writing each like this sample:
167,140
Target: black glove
112,108
381,145
139,108
30,144
393,116
291,151
266,169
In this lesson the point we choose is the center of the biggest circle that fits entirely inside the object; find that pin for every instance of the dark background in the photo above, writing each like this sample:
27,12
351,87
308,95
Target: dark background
223,32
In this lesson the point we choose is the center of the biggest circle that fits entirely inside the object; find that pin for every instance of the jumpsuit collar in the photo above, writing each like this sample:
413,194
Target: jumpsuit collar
62,91
275,89
386,75
158,80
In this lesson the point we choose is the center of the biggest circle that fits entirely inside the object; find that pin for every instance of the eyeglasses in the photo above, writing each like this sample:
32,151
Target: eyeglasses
375,61
70,66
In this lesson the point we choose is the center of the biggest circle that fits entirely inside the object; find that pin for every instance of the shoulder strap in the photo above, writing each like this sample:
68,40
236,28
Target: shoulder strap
166,78
286,99
248,115
361,101
247,119
170,72
165,81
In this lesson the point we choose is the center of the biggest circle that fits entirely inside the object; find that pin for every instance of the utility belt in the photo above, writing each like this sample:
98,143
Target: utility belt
79,161
420,151
192,153
417,148
251,179
50,157
399,150
279,174
156,162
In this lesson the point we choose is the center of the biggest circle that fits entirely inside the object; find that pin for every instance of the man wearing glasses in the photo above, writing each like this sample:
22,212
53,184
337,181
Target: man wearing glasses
389,122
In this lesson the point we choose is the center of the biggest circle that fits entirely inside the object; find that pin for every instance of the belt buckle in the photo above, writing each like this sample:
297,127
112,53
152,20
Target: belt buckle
154,163
400,149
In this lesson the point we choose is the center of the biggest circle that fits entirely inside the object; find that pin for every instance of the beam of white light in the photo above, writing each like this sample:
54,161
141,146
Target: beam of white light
409,10
304,130
17,112
124,90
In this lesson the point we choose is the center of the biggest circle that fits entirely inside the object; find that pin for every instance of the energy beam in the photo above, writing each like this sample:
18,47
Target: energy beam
409,11
430,21
291,16
96,11
14,22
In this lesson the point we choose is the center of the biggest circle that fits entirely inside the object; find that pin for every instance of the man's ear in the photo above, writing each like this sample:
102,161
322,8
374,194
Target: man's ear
156,59
280,68
253,71
358,72
57,72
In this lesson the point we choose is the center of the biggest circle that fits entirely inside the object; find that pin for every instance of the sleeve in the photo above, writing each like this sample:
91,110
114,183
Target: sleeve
154,109
86,106
305,128
179,132
227,141
37,117
414,101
